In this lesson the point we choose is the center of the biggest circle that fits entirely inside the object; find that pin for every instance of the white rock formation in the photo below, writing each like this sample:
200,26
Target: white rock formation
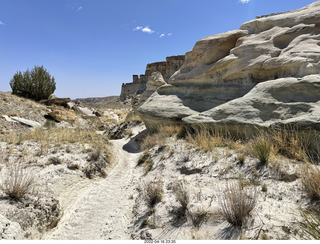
26,122
154,81
224,67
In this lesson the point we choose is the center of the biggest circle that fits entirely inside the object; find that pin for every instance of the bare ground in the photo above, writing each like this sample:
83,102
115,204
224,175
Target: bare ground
103,209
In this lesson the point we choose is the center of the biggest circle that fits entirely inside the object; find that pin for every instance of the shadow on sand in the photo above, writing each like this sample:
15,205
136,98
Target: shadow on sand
132,146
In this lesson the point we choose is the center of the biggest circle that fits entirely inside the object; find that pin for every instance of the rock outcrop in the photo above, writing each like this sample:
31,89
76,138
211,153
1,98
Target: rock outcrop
138,86
265,74
155,80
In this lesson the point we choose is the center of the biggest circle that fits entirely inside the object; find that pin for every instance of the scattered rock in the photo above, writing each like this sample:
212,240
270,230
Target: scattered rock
119,131
26,122
7,118
98,113
61,115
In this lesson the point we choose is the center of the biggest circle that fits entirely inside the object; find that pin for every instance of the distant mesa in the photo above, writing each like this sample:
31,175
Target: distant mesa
266,74
139,83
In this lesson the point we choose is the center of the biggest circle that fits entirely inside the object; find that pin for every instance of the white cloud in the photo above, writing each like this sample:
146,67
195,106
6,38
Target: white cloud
137,28
162,35
169,34
244,1
80,8
1,23
147,30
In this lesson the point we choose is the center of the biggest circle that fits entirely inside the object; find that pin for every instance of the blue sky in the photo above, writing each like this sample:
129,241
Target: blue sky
91,47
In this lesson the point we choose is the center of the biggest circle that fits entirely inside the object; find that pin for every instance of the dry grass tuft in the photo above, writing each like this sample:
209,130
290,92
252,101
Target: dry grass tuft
144,157
153,192
261,148
158,135
241,158
16,182
198,217
311,223
182,196
148,166
295,144
57,136
310,176
73,166
237,203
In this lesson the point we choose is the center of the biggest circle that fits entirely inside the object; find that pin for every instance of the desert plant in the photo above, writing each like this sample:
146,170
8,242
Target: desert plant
95,167
144,157
36,84
16,182
311,223
260,148
73,166
237,203
152,192
198,217
310,177
94,155
264,188
241,158
148,166
182,195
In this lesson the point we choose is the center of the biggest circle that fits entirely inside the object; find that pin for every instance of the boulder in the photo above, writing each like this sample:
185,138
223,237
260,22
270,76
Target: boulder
98,113
155,80
234,76
26,122
61,115
83,110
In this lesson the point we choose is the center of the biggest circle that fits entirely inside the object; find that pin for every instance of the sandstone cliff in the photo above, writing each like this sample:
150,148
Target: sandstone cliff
265,74
138,85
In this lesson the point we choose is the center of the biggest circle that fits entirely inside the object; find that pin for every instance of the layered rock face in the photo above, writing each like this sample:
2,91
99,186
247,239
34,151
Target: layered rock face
138,85
265,74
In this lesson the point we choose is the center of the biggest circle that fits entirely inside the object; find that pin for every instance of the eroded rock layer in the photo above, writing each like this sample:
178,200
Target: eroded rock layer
266,74
138,85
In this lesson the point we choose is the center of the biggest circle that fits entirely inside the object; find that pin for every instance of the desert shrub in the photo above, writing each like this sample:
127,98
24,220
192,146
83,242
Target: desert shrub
95,167
311,223
16,182
198,217
182,195
296,144
144,157
94,155
241,158
36,84
73,166
310,177
260,148
55,160
152,192
264,188
148,166
236,203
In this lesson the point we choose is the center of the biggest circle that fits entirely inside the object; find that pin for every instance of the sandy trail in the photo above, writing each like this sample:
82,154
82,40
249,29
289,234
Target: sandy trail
103,209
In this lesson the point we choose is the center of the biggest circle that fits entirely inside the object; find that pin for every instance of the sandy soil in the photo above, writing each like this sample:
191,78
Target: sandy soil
103,209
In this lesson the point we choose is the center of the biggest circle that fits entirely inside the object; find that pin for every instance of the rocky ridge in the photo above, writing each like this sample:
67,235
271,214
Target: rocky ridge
138,85
266,74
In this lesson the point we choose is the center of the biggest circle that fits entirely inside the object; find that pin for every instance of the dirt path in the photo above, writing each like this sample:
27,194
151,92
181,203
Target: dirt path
103,209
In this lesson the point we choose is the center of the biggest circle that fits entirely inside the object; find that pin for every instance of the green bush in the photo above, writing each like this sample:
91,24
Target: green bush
36,84
261,148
